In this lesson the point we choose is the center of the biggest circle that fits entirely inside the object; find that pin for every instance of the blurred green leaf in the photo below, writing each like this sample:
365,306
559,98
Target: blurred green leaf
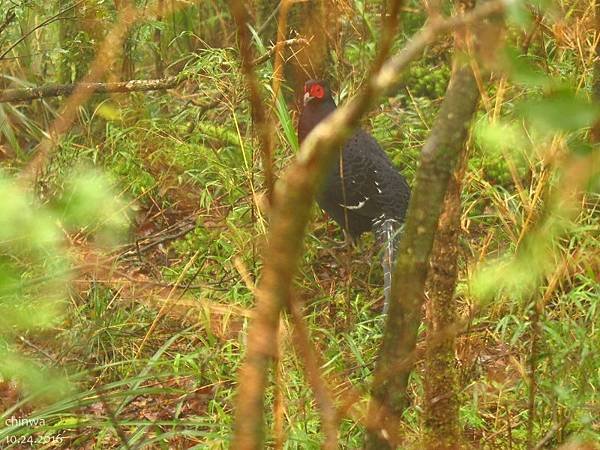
522,69
562,110
90,200
34,266
517,14
43,381
500,136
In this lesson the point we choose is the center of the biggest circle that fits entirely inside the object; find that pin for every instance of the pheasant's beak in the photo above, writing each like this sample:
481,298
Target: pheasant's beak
307,98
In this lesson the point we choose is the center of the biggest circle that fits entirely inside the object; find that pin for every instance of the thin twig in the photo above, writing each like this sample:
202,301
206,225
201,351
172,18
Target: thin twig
159,238
266,22
323,396
8,18
278,47
551,432
167,305
38,349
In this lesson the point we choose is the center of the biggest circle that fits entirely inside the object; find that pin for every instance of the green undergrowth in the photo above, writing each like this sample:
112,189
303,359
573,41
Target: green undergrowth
167,159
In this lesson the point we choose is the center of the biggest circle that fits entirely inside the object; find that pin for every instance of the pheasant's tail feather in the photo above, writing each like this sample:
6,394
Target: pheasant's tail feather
386,231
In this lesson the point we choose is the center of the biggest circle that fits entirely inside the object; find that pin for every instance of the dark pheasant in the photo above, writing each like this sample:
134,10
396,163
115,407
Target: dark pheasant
363,191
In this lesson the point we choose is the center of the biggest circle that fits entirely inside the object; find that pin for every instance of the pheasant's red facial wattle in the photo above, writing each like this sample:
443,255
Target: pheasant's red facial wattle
317,91
312,91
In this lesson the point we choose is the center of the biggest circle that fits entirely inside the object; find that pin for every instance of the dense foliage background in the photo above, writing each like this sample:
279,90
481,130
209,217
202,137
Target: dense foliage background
127,268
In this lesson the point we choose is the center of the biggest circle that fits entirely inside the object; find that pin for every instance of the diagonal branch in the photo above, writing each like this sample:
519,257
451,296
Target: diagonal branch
312,364
293,200
8,18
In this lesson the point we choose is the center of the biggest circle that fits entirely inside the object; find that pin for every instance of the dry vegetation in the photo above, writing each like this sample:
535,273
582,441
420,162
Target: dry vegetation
134,224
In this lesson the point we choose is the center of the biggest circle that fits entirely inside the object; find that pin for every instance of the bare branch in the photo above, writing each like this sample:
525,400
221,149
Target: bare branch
293,200
312,364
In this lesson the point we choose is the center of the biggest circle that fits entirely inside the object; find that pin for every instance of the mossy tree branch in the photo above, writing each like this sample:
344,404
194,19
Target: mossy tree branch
440,415
59,90
441,424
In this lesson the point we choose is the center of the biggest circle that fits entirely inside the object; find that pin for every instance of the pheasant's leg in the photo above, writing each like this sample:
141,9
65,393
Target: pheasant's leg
388,241
387,279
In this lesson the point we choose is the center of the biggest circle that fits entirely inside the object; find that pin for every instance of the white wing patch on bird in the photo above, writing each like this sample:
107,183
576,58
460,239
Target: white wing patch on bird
377,186
360,204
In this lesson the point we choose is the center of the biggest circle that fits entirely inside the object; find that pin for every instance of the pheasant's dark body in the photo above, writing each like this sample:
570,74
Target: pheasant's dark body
363,191
363,188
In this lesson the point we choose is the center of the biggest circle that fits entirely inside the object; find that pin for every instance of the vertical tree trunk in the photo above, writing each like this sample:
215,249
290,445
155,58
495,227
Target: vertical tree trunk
127,69
440,415
158,50
441,425
438,160
317,22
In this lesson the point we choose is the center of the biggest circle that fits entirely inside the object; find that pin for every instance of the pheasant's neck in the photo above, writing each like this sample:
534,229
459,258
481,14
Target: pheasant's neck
312,114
